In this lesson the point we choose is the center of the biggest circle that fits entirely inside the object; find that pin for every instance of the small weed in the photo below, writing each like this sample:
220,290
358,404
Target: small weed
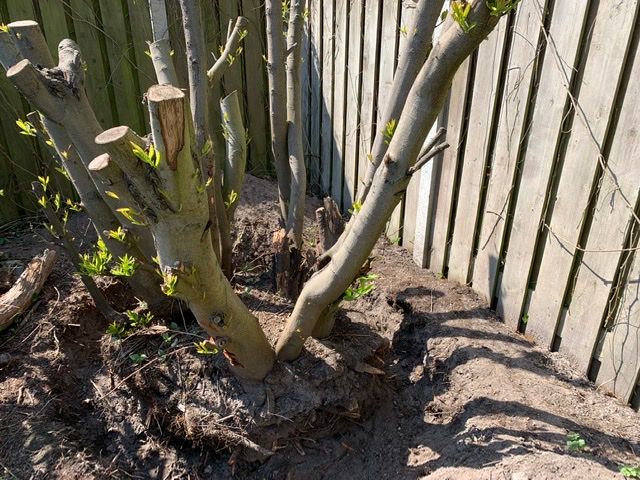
356,207
97,262
169,340
138,320
26,128
629,471
575,443
116,330
137,358
525,319
233,198
119,234
126,266
131,215
501,7
169,285
389,130
205,348
364,285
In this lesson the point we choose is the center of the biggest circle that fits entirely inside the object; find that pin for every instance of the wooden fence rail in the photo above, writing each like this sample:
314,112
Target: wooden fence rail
112,35
535,204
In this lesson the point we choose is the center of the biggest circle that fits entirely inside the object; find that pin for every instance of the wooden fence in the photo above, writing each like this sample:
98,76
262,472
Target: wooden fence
536,202
112,35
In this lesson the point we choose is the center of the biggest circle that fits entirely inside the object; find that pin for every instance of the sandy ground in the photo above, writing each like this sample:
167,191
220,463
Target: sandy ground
419,380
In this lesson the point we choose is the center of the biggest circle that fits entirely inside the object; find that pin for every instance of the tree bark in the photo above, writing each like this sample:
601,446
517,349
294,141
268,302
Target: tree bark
411,60
423,104
189,265
160,48
236,158
59,94
278,101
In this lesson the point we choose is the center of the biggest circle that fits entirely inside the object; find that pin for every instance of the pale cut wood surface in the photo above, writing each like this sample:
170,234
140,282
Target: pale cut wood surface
21,295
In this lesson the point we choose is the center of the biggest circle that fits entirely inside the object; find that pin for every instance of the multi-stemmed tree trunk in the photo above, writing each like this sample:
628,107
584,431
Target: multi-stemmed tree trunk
284,56
185,192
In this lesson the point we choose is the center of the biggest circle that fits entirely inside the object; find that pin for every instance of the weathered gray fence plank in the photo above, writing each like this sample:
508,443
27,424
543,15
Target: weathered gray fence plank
444,193
340,55
617,194
477,149
620,358
326,148
609,45
369,93
567,24
520,70
352,126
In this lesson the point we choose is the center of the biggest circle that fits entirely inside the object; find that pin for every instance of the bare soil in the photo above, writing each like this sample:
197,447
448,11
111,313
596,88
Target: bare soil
419,380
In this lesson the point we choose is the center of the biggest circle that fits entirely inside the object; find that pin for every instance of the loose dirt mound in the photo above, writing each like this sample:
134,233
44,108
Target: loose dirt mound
419,380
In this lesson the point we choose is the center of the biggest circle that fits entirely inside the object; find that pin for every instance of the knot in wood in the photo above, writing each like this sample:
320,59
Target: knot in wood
217,319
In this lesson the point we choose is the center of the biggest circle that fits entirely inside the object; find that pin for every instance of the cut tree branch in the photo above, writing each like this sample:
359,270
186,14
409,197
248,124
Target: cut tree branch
21,295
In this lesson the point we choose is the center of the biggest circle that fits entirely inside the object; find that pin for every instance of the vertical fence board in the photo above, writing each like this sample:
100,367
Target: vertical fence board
19,152
305,85
447,168
475,156
620,360
54,24
352,126
404,215
315,84
418,217
340,53
520,71
327,95
369,93
176,39
256,82
617,195
97,80
22,151
610,40
566,25
140,24
388,56
123,69
232,80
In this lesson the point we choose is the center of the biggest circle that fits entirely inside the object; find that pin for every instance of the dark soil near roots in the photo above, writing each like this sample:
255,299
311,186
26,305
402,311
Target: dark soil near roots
418,380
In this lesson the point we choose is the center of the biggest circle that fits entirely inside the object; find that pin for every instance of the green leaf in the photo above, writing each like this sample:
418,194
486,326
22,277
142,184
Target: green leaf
131,215
575,443
137,357
151,157
629,471
205,348
26,128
